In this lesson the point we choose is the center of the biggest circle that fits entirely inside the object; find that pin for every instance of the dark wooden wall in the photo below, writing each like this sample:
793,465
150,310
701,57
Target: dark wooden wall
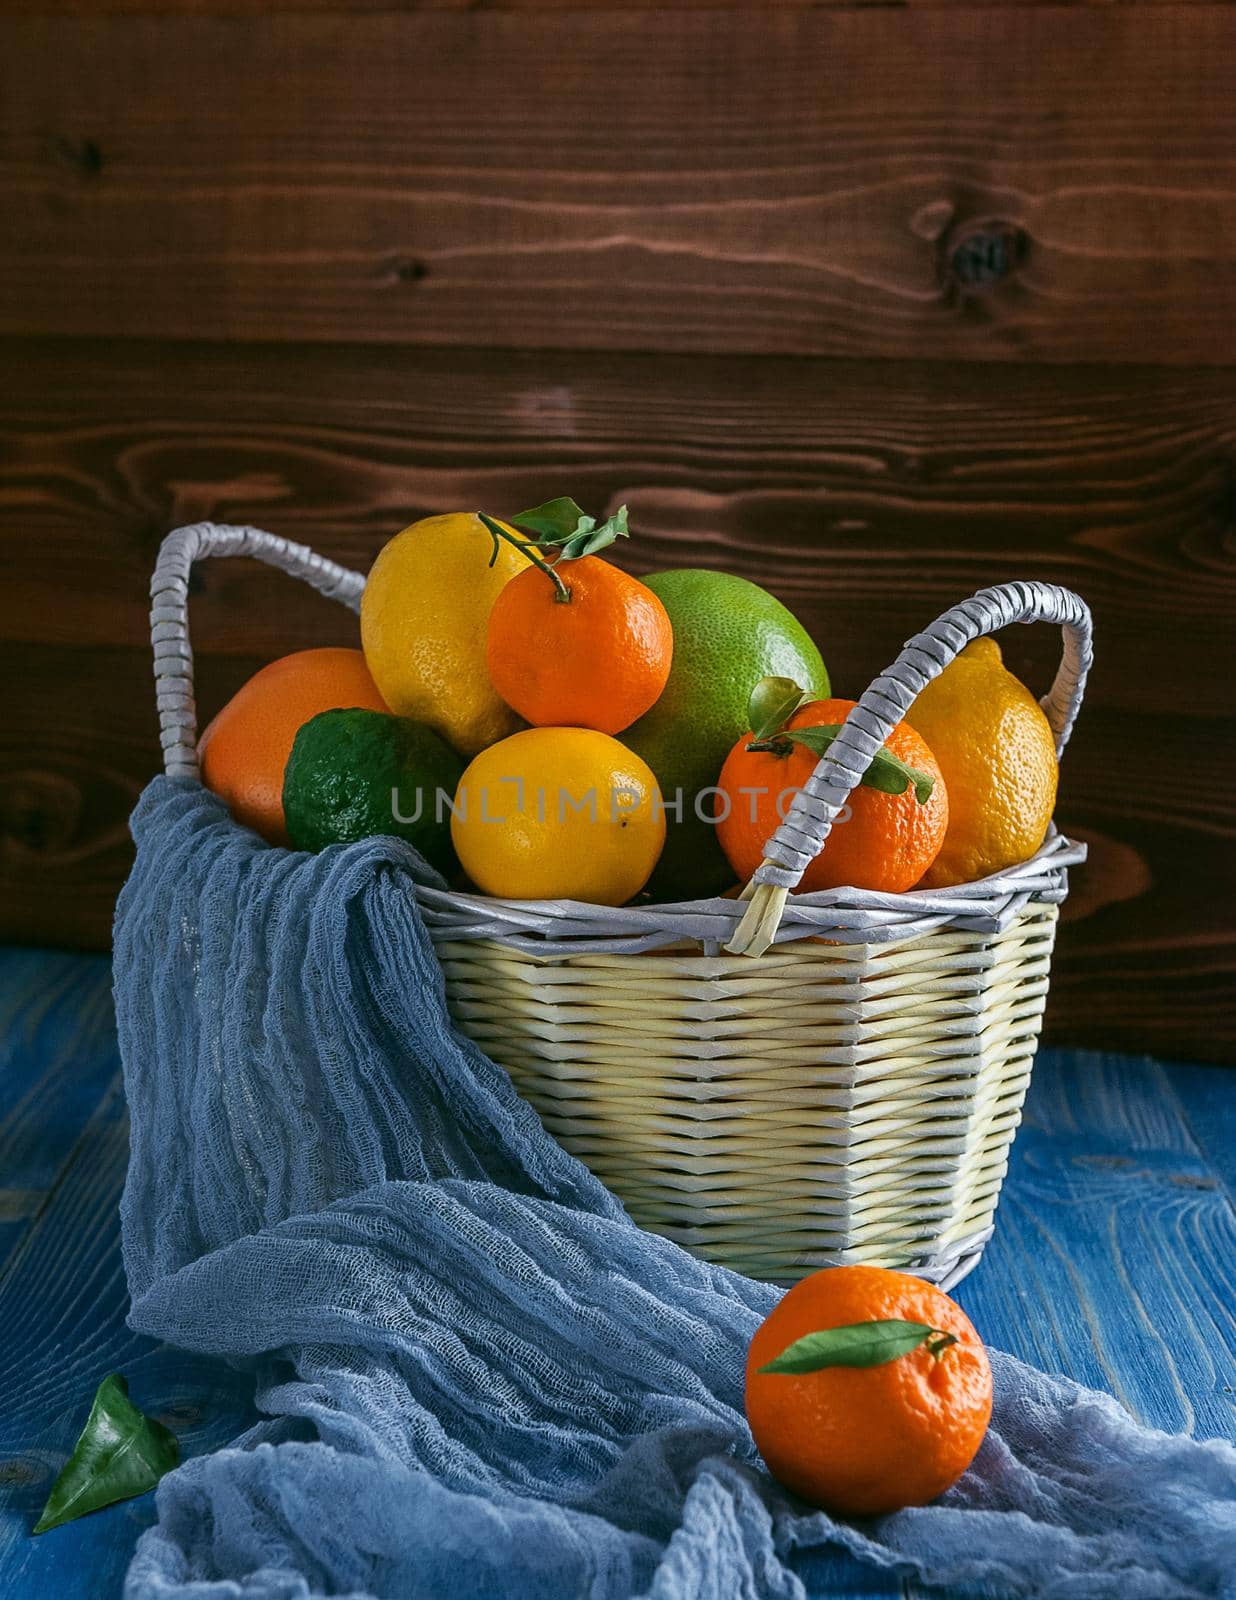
873,305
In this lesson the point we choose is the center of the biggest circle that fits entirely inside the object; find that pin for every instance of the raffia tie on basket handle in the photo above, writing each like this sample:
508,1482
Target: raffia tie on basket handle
169,617
801,836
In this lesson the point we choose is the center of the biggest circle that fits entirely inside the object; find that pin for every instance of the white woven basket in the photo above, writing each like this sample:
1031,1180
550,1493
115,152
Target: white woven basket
850,1095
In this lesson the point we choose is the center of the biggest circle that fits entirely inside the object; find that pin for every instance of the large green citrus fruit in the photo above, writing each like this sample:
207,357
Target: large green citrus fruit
728,634
353,774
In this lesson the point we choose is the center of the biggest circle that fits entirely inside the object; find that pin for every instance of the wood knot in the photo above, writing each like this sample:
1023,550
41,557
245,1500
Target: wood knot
40,814
85,156
930,221
407,271
983,254
182,1414
910,467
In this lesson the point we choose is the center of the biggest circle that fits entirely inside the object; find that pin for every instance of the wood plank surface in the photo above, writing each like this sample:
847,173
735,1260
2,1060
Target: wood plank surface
1111,1262
62,1293
1040,183
1114,1243
57,1058
868,496
1209,1108
224,8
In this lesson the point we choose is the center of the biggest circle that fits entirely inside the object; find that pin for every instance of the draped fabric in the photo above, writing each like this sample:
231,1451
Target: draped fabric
477,1378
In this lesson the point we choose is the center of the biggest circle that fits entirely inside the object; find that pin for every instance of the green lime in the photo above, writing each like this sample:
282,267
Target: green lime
728,634
355,773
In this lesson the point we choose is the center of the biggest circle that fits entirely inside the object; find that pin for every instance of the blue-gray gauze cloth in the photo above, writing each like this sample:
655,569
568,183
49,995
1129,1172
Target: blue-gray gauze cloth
477,1377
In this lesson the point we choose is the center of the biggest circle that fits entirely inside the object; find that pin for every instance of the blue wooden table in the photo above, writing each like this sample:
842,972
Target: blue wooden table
1114,1261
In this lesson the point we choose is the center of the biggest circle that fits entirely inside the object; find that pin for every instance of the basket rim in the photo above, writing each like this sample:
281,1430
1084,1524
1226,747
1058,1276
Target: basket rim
847,916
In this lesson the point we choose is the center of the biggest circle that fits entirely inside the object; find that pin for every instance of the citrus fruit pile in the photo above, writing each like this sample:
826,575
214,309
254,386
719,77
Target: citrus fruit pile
538,724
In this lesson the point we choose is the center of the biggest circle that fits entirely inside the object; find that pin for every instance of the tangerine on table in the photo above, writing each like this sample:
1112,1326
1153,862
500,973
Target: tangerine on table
244,750
885,842
592,650
865,1440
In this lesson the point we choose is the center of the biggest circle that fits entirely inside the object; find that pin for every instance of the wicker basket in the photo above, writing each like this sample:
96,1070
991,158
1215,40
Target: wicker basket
850,1094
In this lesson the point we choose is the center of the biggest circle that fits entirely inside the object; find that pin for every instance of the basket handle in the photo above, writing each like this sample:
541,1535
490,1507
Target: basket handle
169,617
801,836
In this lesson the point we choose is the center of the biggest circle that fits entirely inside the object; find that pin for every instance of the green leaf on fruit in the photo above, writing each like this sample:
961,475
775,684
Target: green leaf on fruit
554,521
120,1453
887,773
859,1344
590,537
563,523
773,702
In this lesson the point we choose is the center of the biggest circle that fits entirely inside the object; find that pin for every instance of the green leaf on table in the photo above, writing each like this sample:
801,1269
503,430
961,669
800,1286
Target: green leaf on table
859,1344
773,702
887,773
119,1454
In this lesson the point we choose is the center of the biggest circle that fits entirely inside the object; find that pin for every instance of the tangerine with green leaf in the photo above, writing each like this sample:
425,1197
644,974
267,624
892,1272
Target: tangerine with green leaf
890,830
575,642
867,1390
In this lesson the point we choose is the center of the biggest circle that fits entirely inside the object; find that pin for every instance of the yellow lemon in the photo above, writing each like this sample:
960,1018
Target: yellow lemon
558,814
424,623
996,750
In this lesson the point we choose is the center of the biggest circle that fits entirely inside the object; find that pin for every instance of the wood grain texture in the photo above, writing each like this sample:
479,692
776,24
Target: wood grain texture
55,1020
986,183
868,496
1111,1262
62,1293
1209,1106
225,8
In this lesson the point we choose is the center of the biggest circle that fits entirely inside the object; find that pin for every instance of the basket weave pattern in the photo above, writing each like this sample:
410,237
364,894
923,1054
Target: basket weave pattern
845,1090
873,1088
